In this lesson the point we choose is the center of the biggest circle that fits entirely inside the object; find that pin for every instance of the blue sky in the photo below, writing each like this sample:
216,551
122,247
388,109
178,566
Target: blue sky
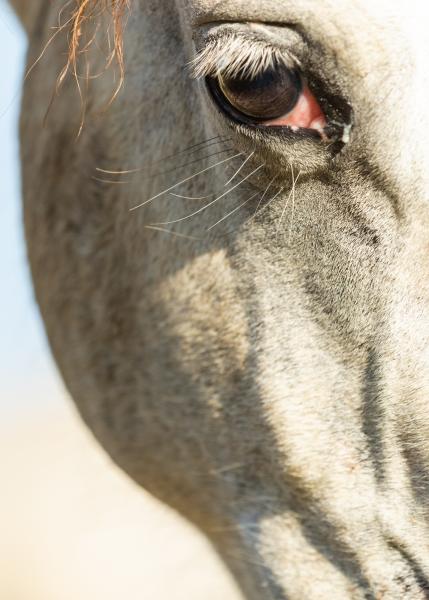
26,371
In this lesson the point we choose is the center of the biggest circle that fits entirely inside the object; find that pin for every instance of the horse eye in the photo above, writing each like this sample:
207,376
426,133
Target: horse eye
270,95
276,97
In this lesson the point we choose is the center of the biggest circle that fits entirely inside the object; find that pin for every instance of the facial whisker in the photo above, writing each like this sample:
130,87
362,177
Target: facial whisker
262,198
293,203
173,233
221,162
266,205
233,211
291,195
240,169
213,201
287,200
193,162
191,197
190,150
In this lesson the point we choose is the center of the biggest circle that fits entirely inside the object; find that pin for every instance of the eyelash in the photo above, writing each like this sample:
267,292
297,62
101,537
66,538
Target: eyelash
228,56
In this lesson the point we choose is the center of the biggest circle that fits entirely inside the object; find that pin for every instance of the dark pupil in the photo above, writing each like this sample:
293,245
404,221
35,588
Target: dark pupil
270,95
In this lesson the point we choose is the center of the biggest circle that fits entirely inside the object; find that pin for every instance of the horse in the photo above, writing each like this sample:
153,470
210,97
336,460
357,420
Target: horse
226,216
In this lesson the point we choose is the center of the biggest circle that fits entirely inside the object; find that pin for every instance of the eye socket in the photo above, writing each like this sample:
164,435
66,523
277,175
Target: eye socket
278,96
270,95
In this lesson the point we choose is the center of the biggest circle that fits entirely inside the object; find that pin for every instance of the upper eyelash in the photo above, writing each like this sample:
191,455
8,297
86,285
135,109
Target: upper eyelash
238,55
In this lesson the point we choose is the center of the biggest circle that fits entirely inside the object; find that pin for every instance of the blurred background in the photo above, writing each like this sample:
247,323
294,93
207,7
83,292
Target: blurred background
72,527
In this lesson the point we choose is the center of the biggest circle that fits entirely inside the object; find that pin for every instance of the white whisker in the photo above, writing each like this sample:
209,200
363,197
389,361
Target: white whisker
173,233
266,205
184,181
239,169
262,198
287,200
213,201
121,172
233,211
283,211
190,197
291,195
293,203
190,150
188,164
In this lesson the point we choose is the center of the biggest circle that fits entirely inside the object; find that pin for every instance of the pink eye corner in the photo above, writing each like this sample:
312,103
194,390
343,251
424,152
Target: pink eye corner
277,97
307,114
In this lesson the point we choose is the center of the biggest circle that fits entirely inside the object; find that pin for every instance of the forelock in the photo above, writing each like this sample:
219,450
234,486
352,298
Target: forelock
86,14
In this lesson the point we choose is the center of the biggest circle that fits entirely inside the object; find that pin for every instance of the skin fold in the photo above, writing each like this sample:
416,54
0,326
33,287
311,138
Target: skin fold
263,371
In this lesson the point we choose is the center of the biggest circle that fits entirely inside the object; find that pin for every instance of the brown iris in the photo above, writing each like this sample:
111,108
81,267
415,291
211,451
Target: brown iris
270,95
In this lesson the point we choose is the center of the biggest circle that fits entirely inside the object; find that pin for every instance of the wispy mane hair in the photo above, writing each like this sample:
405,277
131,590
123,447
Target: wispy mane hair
86,12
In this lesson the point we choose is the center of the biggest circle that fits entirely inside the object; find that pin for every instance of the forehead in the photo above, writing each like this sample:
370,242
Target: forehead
341,19
366,35
278,10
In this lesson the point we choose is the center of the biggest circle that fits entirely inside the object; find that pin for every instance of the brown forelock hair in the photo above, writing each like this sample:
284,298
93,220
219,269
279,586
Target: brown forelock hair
86,12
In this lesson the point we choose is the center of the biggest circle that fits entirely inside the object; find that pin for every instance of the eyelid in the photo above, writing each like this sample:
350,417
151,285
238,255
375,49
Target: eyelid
232,51
297,51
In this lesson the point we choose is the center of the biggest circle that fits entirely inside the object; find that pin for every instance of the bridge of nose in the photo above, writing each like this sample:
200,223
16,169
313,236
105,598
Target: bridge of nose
380,49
